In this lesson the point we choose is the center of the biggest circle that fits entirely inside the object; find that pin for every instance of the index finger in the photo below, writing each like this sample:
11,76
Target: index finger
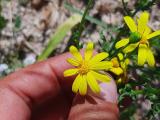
39,81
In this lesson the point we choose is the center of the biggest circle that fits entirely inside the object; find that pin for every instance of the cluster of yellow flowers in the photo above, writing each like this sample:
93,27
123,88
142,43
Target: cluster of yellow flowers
140,36
90,69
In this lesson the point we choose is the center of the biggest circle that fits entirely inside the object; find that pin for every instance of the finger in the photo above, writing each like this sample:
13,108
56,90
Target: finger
53,109
96,107
40,80
32,85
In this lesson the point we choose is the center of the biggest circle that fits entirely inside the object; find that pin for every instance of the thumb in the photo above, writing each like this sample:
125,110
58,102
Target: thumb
96,107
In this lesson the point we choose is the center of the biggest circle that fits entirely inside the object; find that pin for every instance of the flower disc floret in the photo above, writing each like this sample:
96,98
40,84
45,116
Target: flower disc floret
83,67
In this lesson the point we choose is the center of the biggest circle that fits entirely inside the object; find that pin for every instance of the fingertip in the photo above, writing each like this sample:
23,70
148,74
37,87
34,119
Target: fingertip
109,91
96,106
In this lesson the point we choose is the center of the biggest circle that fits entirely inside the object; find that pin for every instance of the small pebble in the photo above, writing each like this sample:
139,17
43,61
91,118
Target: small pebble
3,67
30,59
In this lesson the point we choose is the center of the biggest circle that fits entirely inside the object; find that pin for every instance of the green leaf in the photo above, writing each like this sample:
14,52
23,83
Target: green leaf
23,2
79,28
91,19
59,35
18,22
3,22
128,112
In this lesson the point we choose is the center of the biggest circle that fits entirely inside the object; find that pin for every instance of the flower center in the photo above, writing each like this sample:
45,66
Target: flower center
143,41
83,67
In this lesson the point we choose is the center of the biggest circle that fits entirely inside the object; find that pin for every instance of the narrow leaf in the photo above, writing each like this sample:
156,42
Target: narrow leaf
59,35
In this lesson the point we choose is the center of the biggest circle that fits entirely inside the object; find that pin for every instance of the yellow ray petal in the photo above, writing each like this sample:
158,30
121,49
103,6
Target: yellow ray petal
120,56
150,58
101,77
73,62
76,83
115,62
119,81
123,65
130,23
89,51
99,57
122,43
74,51
83,85
130,48
144,17
127,61
154,34
142,54
147,31
104,65
70,72
117,70
142,22
93,83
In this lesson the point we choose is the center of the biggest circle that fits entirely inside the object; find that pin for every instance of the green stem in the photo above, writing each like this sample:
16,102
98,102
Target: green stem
82,23
81,27
125,8
139,92
0,6
78,29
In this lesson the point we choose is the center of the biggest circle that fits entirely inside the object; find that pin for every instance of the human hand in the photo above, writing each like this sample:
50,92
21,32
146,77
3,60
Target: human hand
40,92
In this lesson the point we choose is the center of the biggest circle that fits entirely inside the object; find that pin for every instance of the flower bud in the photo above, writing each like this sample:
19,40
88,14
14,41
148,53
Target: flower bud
134,37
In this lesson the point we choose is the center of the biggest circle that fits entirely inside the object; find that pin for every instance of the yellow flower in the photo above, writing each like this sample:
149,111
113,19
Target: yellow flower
87,69
119,64
123,62
139,37
116,69
124,65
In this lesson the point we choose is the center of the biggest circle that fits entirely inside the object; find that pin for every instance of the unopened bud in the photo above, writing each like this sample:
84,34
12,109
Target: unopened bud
134,37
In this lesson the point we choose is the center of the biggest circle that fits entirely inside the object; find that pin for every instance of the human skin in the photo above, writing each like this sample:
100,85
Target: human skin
40,92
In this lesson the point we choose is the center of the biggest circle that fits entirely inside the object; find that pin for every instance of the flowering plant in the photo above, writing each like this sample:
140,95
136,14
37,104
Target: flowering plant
118,59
